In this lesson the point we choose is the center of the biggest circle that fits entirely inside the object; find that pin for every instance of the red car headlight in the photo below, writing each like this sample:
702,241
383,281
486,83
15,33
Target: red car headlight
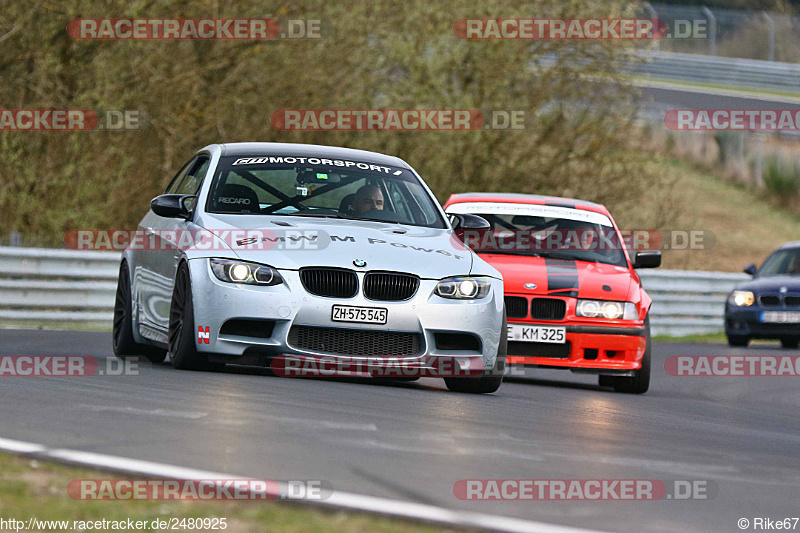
607,309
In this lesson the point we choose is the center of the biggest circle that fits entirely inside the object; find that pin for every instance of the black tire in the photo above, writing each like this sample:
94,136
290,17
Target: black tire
639,383
122,333
490,380
738,340
790,342
183,352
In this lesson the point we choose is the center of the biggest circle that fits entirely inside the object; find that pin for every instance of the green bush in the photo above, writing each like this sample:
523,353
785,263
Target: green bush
372,54
782,180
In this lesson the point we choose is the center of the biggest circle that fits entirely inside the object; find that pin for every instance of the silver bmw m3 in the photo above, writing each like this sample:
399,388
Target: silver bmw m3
309,260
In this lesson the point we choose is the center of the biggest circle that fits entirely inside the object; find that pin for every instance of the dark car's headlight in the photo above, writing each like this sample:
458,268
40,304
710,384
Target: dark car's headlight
606,309
246,273
463,288
741,298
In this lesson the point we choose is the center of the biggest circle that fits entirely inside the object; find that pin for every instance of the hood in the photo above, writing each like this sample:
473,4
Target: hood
290,243
563,278
771,284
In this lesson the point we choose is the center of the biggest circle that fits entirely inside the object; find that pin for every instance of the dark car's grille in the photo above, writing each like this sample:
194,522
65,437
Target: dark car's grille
539,349
330,282
548,309
769,300
791,301
359,342
390,286
516,307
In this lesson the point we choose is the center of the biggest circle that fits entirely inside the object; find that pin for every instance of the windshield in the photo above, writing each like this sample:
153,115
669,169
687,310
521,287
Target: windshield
781,263
544,231
308,186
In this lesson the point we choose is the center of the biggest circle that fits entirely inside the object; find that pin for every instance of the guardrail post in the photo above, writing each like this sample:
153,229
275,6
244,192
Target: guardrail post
712,31
771,53
15,239
759,171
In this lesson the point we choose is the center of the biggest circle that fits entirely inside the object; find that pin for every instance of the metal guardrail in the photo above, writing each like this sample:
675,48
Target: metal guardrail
688,302
62,286
728,71
53,286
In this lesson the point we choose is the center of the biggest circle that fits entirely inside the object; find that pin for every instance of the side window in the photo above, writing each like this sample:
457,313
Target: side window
191,182
176,181
398,201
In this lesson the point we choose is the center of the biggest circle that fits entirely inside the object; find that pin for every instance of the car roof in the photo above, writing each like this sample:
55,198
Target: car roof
518,198
790,244
308,150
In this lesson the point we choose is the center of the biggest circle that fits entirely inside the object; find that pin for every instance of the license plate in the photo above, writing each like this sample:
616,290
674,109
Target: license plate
365,315
781,317
551,334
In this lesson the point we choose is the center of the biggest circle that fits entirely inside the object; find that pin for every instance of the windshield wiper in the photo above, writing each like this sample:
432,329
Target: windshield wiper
333,215
313,214
565,256
541,253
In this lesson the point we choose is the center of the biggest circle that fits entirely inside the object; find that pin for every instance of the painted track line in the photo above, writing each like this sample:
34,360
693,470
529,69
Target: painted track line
339,500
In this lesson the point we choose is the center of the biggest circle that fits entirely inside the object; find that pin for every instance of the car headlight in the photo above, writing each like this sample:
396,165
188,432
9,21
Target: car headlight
607,309
246,273
463,288
742,298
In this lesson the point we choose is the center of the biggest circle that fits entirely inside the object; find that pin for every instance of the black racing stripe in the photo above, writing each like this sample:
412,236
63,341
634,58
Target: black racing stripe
560,263
562,277
560,282
560,269
566,293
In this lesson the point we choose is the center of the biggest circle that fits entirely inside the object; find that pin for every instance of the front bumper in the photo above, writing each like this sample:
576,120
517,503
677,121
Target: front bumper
282,307
746,322
591,348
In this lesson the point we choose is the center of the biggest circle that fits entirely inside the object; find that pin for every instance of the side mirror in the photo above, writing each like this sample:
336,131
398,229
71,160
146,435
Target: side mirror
465,221
173,205
647,259
750,269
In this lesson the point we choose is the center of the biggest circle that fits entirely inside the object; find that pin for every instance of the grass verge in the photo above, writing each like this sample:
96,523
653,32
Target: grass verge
31,488
744,226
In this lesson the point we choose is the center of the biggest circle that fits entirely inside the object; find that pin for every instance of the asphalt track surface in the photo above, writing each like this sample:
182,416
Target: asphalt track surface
413,441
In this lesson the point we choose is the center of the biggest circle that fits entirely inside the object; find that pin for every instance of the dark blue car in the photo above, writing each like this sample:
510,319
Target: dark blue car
768,306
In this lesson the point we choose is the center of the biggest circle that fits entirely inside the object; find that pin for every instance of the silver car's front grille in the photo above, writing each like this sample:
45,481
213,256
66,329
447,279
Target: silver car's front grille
329,282
356,342
390,286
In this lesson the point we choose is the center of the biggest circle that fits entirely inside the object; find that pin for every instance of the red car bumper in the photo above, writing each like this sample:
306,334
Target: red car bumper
612,348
